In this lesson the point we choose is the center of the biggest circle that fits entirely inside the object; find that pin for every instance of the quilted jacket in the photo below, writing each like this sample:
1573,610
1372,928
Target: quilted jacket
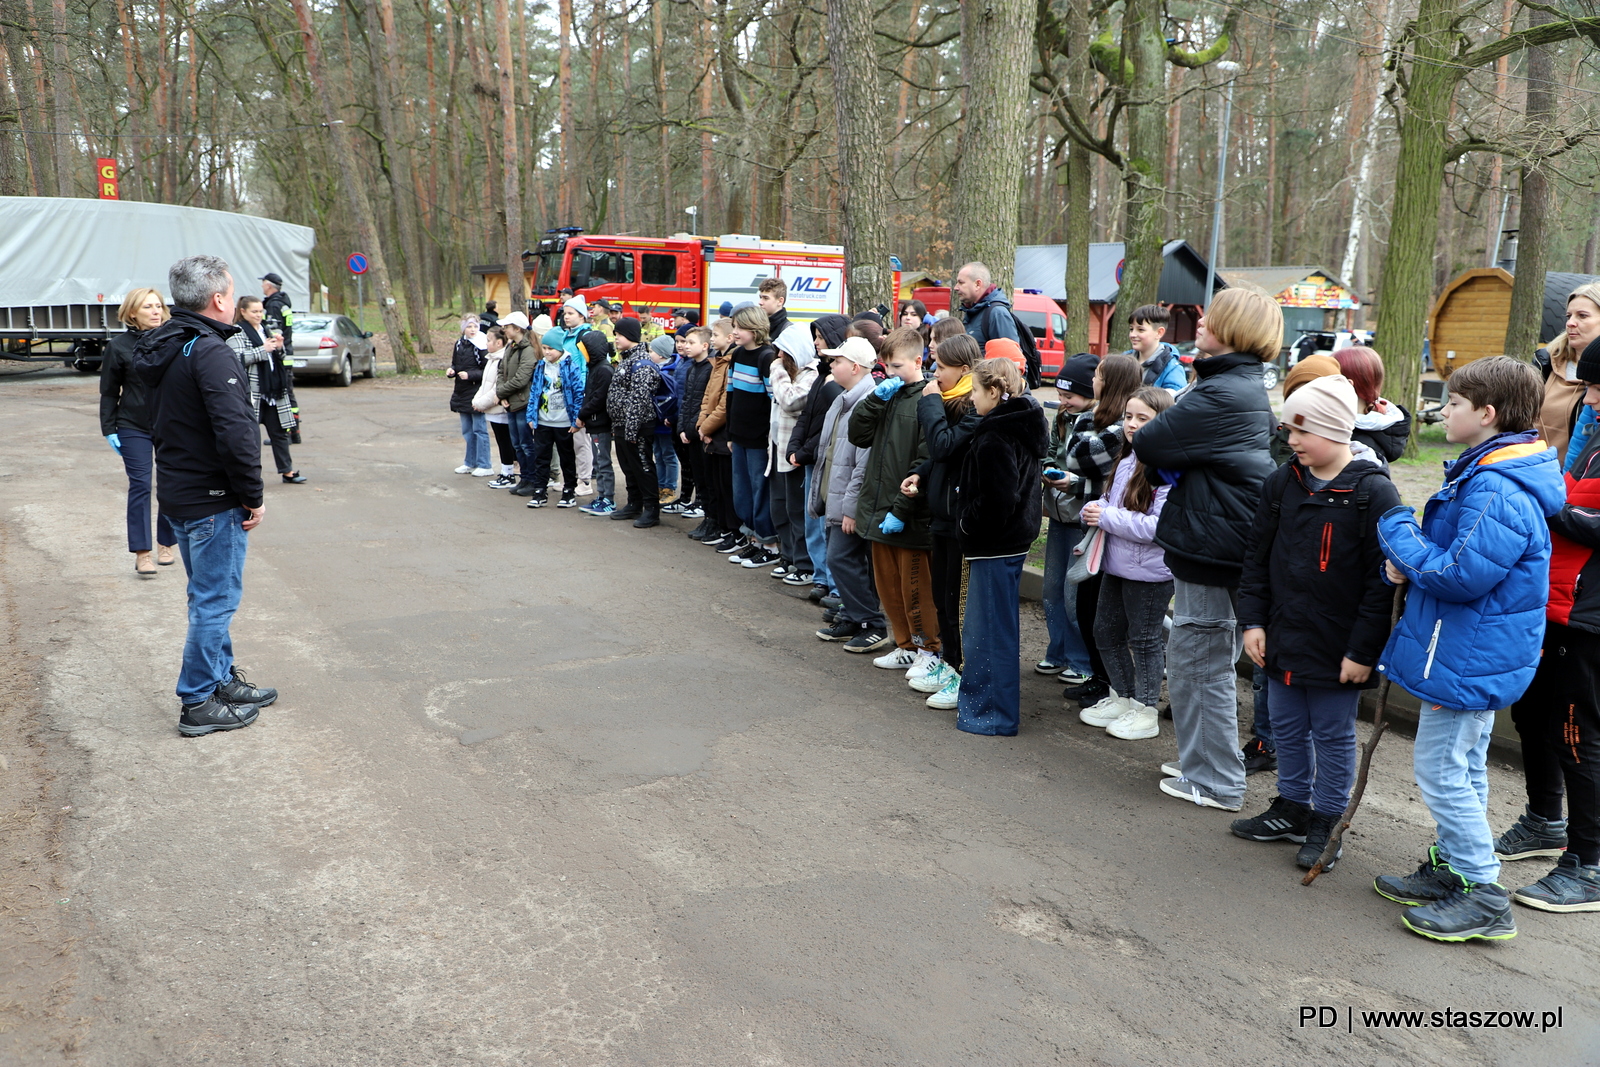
570,370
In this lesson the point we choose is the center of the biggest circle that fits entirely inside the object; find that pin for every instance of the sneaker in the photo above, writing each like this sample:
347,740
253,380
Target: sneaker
699,532
539,500
1531,837
463,469
839,631
1139,723
762,557
569,499
673,508
482,472
650,517
896,659
816,593
797,579
626,513
1105,711
1480,912
1284,820
1258,757
586,488
1318,831
735,546
783,570
726,543
1091,692
693,511
934,680
1068,676
833,616
831,602
600,507
504,481
949,694
925,663
868,641
1172,770
1572,886
1044,666
215,714
236,690
524,487
1431,881
666,496
1184,789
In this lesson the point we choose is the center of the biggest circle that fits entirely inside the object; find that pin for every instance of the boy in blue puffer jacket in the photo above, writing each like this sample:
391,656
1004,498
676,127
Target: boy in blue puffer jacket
1468,643
555,397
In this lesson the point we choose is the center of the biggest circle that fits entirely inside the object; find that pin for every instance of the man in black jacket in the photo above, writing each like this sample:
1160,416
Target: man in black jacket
208,482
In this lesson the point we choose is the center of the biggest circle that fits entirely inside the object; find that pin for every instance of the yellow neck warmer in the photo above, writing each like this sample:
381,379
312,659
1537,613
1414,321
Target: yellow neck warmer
960,389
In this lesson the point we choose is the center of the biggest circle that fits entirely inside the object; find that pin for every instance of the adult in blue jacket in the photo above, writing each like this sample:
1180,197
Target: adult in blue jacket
985,308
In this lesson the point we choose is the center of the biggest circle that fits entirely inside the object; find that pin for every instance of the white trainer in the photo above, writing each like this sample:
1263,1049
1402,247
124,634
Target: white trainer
931,681
896,659
1106,712
927,663
586,489
949,694
1138,723
463,469
482,472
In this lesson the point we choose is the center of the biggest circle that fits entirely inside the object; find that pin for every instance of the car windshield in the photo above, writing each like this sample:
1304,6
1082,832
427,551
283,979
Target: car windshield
548,274
312,323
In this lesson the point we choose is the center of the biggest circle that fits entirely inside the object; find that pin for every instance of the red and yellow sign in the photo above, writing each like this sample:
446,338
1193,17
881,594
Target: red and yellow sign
105,178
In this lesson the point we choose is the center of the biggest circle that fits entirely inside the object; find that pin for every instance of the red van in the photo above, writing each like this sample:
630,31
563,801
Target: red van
1038,312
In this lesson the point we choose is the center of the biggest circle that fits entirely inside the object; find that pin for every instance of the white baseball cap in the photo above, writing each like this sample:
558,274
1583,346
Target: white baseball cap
857,350
517,319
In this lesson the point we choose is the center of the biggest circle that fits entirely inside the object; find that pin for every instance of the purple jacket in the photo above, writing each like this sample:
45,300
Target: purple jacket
1131,551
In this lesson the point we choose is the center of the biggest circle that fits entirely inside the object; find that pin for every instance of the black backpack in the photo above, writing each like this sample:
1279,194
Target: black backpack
1030,352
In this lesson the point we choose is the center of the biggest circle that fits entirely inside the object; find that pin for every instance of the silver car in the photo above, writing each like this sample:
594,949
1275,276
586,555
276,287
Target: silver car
333,347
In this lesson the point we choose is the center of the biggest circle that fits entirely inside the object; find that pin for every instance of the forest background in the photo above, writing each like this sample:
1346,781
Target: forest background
1388,141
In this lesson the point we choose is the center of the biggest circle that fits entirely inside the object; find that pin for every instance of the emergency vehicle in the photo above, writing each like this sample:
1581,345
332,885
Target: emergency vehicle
655,275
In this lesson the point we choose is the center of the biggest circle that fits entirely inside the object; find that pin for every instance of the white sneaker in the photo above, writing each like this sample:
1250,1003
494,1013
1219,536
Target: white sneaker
927,663
1106,712
1139,722
1172,770
949,694
586,489
896,659
1184,789
482,472
930,681
463,469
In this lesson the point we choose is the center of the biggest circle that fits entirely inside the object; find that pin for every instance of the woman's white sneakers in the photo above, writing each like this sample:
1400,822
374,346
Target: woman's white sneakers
1138,723
1106,712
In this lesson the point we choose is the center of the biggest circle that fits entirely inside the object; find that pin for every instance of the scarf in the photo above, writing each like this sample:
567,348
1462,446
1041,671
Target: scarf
958,390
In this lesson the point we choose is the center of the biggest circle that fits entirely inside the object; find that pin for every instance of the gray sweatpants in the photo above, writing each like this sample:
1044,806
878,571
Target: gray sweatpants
1201,653
850,564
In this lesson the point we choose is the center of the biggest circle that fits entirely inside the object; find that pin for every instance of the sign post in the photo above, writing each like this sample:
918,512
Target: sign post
105,179
358,266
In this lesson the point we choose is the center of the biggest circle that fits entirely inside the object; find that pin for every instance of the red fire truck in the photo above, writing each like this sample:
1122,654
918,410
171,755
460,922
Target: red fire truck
655,275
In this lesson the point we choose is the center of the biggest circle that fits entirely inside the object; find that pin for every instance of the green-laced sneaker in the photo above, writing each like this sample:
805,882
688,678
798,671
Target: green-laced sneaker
1431,881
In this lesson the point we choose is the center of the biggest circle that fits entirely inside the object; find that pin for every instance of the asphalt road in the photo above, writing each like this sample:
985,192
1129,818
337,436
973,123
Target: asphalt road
545,789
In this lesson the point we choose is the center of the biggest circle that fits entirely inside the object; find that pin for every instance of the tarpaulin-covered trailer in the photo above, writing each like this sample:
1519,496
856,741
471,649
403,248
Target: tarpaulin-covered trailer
66,264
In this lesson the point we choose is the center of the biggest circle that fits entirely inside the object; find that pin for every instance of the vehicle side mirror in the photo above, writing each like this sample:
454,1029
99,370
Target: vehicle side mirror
367,334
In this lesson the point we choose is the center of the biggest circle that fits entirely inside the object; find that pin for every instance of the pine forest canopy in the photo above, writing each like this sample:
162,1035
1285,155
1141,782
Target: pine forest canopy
1387,139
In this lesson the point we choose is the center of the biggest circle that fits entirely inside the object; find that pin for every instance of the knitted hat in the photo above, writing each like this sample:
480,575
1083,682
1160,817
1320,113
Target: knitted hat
1006,348
1589,363
627,327
1077,375
517,319
1308,369
1323,406
664,346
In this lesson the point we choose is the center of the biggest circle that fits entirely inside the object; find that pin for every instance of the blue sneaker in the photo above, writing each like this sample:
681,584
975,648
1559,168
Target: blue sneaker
1531,837
1432,881
601,508
1570,887
1477,912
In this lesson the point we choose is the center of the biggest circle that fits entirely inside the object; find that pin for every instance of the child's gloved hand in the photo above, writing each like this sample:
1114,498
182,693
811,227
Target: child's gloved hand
887,387
891,524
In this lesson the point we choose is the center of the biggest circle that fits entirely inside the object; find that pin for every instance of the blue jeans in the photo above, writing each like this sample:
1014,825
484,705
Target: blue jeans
666,461
1316,744
1450,758
816,540
1067,645
138,457
990,701
522,441
750,498
1261,721
475,431
213,553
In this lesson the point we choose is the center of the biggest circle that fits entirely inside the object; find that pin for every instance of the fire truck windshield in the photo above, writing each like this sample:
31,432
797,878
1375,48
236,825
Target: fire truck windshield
548,275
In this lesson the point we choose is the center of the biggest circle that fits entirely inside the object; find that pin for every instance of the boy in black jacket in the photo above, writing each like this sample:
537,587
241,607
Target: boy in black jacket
694,346
1315,611
594,419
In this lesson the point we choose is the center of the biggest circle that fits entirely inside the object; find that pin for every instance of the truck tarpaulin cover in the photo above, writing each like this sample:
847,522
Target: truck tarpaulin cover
58,250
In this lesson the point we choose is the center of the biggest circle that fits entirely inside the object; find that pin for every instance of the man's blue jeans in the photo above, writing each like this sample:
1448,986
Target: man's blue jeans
213,551
1067,645
751,500
1451,760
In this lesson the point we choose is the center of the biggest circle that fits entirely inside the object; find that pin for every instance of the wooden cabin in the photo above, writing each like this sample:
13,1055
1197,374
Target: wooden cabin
1468,321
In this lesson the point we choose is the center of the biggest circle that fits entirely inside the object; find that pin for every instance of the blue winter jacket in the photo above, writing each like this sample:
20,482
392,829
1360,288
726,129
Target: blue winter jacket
570,370
989,317
1479,566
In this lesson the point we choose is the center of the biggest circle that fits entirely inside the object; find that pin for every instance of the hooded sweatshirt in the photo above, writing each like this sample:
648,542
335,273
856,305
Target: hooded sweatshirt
997,494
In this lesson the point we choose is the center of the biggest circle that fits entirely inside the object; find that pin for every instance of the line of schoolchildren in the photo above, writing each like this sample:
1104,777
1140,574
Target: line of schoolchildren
909,502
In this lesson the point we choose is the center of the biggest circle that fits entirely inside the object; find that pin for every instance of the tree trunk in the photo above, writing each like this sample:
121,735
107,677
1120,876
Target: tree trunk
517,298
65,156
1144,49
1527,289
34,159
996,49
355,190
1370,110
130,170
1591,247
704,68
658,74
1079,180
863,187
566,202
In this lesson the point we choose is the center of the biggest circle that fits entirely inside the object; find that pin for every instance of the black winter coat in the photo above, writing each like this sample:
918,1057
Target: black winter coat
695,377
208,440
806,439
279,317
1212,447
947,447
124,400
596,387
998,488
1389,442
468,357
1317,585
831,328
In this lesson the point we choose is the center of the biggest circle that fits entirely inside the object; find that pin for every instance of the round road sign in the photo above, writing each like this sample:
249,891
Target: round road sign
358,263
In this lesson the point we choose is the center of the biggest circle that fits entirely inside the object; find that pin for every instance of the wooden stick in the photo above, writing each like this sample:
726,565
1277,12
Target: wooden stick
1379,726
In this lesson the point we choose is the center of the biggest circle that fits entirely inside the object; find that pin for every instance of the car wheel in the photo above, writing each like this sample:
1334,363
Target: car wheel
343,377
1269,376
372,366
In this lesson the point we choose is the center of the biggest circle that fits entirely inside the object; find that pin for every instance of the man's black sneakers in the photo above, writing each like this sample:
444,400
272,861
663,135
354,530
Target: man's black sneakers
1284,820
1091,692
215,714
1258,757
1317,833
236,690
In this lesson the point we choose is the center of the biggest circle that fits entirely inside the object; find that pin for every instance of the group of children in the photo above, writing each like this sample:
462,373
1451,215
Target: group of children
908,501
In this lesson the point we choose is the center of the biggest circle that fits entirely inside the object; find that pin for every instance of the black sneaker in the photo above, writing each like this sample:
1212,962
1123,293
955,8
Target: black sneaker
236,690
213,715
725,540
1570,887
1258,757
868,641
831,603
734,544
569,499
817,593
1433,880
504,481
797,578
1480,912
832,615
627,512
1284,820
1317,834
1531,837
761,558
524,487
539,500
839,631
1091,692
647,518
699,532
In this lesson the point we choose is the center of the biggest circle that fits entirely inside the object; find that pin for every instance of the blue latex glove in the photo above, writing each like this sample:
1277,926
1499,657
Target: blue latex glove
891,524
886,388
115,441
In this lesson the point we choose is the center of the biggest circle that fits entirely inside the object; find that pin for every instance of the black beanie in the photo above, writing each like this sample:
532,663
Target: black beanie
1077,374
1589,363
627,327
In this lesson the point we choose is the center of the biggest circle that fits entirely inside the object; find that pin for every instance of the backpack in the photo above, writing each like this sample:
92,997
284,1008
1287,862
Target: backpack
1156,365
1030,352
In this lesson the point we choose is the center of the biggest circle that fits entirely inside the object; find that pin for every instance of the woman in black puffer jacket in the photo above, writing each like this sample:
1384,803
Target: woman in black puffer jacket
125,424
467,361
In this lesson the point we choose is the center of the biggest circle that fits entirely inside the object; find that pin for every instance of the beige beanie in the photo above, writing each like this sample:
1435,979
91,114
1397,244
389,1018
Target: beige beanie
1323,406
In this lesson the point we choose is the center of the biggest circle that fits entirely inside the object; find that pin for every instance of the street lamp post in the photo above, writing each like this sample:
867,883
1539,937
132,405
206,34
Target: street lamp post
1231,69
